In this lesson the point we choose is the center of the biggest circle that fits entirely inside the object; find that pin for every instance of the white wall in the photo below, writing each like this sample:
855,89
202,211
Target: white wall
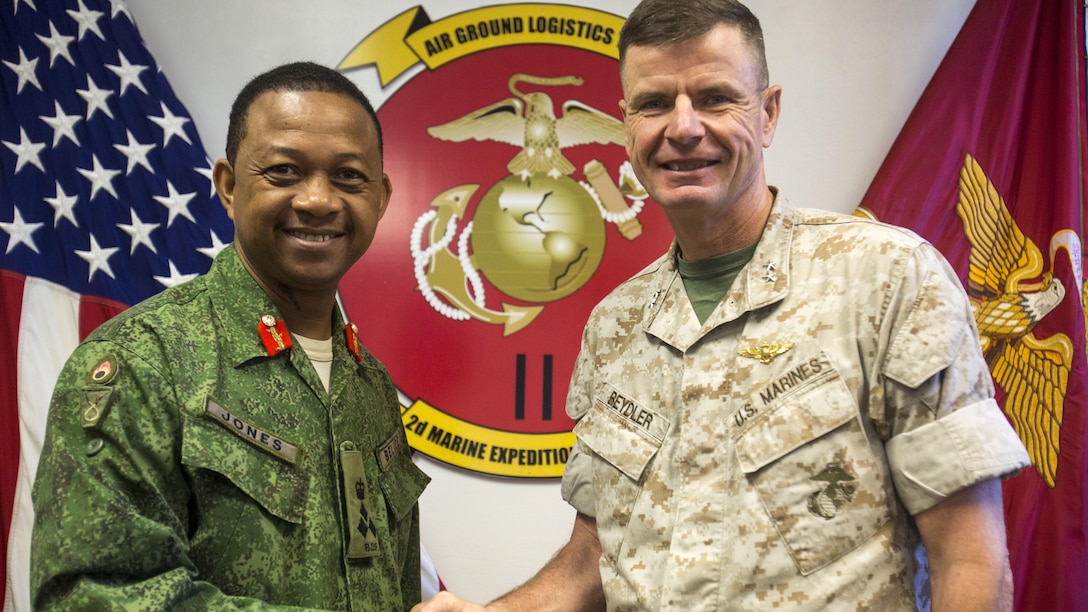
851,72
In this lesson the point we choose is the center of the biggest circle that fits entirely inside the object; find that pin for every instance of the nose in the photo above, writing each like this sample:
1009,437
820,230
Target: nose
318,197
685,124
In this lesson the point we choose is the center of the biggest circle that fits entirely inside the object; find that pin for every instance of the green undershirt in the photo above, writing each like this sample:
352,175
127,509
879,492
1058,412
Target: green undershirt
707,281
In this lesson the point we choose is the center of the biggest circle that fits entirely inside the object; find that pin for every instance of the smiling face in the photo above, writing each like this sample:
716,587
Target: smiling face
306,190
697,121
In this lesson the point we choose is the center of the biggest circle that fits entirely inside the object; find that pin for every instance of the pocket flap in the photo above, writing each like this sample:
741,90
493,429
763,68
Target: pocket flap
402,484
276,485
625,435
794,420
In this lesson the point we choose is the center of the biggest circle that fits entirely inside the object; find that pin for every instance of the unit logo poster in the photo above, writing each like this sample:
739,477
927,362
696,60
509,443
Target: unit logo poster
514,211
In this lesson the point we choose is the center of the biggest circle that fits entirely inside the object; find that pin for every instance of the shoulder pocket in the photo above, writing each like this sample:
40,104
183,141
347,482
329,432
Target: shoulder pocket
930,338
808,457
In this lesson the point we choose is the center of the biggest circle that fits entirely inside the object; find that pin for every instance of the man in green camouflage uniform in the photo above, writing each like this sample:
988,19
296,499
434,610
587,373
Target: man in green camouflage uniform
229,444
781,408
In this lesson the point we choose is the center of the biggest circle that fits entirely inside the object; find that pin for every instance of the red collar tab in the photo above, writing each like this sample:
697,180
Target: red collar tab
351,334
274,335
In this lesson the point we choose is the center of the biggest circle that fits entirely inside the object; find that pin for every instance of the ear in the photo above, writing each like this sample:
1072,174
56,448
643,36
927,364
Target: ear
387,192
223,177
626,126
772,100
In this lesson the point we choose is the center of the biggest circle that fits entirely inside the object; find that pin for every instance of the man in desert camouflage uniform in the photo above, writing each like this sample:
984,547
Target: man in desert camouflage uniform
229,444
779,410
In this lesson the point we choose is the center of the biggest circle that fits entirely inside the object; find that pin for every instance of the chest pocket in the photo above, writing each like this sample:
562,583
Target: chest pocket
626,439
809,458
402,484
271,482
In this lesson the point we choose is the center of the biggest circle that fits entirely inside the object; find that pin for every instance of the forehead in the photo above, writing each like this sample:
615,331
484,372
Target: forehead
722,52
308,112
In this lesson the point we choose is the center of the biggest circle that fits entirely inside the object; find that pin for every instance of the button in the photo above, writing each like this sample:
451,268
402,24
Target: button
94,446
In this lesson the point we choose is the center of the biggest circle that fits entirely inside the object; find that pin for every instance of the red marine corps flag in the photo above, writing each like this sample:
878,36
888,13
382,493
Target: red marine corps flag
990,167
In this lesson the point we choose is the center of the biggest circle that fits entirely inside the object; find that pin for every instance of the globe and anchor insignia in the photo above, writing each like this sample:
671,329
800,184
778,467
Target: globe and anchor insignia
537,235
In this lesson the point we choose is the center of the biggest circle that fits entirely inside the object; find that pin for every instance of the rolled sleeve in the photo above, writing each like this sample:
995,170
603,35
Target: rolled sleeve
964,447
577,485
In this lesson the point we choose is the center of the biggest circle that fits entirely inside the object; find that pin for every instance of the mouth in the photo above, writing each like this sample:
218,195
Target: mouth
310,236
687,166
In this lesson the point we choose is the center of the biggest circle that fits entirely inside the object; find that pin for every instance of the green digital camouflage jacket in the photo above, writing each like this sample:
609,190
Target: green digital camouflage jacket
192,463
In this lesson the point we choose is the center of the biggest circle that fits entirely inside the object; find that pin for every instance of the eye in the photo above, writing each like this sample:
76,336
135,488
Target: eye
350,174
281,173
652,106
350,179
714,100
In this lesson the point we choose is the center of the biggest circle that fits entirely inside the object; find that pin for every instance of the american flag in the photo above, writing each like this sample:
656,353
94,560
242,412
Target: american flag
105,199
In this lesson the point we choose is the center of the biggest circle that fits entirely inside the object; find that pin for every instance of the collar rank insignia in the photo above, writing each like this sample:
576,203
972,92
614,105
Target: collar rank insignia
274,335
765,352
351,334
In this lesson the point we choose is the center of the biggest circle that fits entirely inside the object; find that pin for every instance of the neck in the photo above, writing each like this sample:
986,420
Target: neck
307,312
700,236
312,319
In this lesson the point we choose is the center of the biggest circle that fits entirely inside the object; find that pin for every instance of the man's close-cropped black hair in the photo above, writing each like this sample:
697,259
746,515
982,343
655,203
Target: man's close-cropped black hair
296,76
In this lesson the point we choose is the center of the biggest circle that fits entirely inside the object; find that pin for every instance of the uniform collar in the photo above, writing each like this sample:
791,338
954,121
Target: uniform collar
243,311
763,281
766,278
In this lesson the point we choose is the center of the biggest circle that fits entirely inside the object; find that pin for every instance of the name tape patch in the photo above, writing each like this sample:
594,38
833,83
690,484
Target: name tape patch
646,420
388,451
782,385
256,436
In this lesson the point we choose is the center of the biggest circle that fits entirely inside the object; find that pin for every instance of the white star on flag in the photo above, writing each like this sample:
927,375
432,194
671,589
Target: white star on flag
58,45
19,232
63,125
26,69
26,151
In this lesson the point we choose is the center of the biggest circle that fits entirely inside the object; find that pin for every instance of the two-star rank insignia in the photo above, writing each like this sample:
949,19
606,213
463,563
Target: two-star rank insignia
765,352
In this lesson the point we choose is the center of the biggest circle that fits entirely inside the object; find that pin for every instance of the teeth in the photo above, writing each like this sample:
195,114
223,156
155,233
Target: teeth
311,237
687,166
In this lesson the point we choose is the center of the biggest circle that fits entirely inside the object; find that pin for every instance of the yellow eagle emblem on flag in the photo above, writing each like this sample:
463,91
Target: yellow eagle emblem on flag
1010,293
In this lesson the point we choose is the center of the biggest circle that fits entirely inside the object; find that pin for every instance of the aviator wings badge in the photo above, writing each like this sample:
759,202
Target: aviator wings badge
765,352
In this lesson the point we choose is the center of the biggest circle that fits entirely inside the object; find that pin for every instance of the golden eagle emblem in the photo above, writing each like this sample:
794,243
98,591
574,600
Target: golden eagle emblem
528,121
1010,293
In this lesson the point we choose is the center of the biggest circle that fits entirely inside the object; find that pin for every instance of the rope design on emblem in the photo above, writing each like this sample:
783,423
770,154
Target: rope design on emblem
627,172
467,267
422,257
609,216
